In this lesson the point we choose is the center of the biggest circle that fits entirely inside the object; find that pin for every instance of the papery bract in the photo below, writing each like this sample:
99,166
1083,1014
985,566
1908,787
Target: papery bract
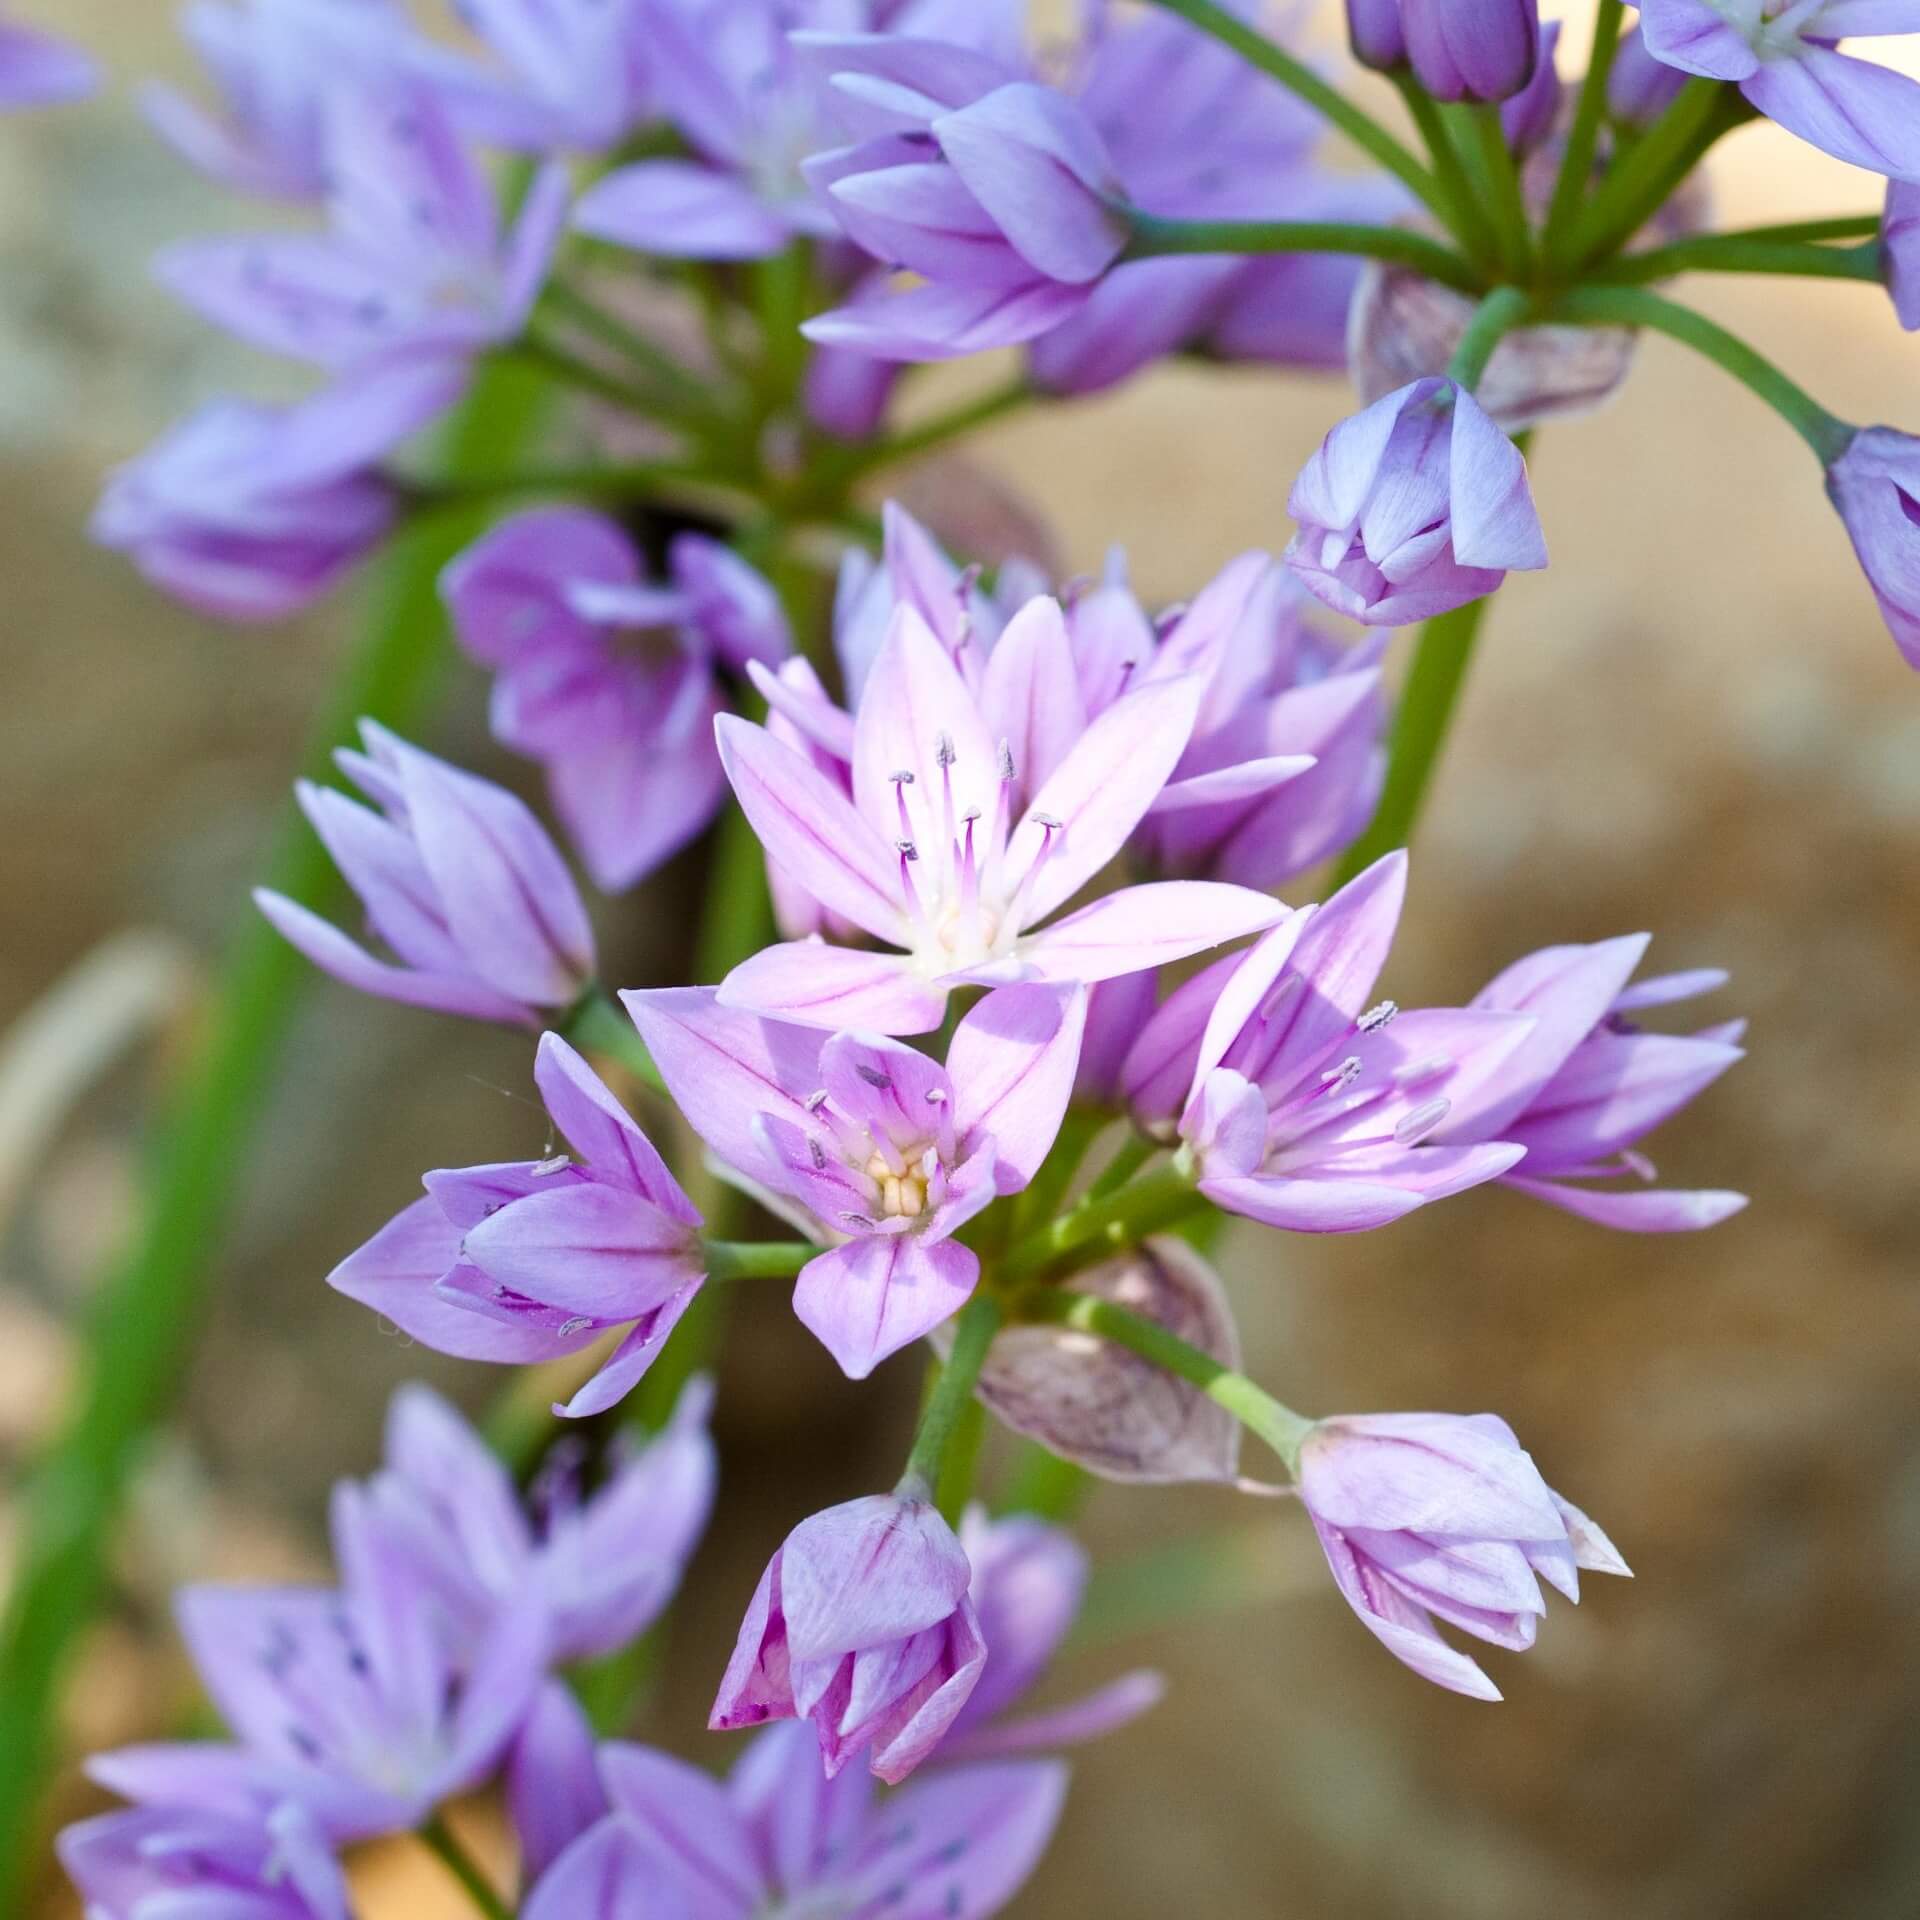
1875,487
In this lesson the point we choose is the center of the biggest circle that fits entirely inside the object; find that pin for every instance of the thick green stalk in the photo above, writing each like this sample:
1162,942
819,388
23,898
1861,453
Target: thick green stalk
1640,183
1849,226
1096,1228
1257,1410
1728,253
959,1468
1360,127
1490,161
973,1332
1466,214
757,1259
439,1840
148,1308
1154,236
1583,135
1826,434
1495,317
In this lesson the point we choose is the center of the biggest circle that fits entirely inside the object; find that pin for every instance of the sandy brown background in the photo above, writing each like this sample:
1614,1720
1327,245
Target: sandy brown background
1694,723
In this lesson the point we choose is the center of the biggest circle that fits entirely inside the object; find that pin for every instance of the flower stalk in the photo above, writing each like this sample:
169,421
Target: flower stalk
973,1331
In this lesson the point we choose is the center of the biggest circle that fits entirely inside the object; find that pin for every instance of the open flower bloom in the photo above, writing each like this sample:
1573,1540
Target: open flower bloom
356,1704
861,1624
933,855
457,878
147,1863
1412,507
534,1260
610,679
1781,54
252,512
1427,1516
887,1152
414,261
36,70
1306,1108
1875,486
776,1839
1586,1085
605,1565
1900,250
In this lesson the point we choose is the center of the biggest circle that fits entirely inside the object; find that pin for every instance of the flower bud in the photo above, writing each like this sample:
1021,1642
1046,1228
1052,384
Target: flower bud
1478,50
1900,250
1640,88
1875,486
1376,35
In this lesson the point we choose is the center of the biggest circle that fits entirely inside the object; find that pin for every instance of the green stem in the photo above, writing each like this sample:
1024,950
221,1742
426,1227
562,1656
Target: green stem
1728,253
911,442
1503,181
756,1259
1495,317
1637,307
737,920
619,483
147,1310
780,297
1465,214
595,1025
1133,1155
1117,1221
439,1840
973,1332
558,363
1046,1486
1257,1410
1040,1199
961,1465
1583,135
1154,236
1850,226
680,386
1360,127
1637,185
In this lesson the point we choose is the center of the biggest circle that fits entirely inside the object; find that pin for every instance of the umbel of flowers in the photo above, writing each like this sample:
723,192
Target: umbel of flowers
1046,929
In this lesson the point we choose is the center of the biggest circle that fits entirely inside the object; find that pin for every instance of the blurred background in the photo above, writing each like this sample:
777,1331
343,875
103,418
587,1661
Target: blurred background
1692,723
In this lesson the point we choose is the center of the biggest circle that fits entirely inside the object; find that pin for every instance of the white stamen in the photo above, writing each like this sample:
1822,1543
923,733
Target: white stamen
1421,1121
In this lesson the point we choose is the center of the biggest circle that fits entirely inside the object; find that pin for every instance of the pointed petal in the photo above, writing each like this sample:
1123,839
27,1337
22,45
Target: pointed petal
1030,695
1013,1061
880,1293
1144,927
1636,1209
681,209
587,1249
602,1131
814,984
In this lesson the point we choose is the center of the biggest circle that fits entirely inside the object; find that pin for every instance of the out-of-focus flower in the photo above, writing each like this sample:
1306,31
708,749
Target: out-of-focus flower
608,678
1640,86
1785,61
252,512
1587,1085
863,1625
777,1838
414,262
36,70
1875,486
1376,34
1482,50
458,879
1412,507
888,1152
1900,250
604,1565
553,1787
534,1260
158,1863
1435,1515
1529,117
354,1704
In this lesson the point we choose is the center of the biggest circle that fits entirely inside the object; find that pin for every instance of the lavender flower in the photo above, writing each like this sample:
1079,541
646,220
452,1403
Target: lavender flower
355,1704
1640,85
1377,34
1784,60
1426,1515
1413,507
932,855
158,1863
1529,117
775,1838
1587,1085
414,262
535,1260
604,1566
861,1624
888,1153
252,513
610,679
36,70
1484,50
1875,486
457,878
1301,1109
1900,249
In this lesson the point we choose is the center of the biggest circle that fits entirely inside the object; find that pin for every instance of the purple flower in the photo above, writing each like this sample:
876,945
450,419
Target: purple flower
1640,86
1482,50
610,679
777,1838
1875,485
604,1565
887,1152
1586,1085
458,880
157,1863
275,63
1412,507
1900,250
1529,117
933,854
1436,1515
355,1704
1785,61
861,1624
553,1787
1304,1107
1376,34
36,70
252,513
534,1260
414,261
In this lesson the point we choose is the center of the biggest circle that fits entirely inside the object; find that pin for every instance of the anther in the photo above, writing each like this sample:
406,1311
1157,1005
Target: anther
901,776
862,1220
1421,1121
906,850
874,1077
553,1164
815,1101
1047,821
1377,1017
936,1096
1006,760
819,1155
943,749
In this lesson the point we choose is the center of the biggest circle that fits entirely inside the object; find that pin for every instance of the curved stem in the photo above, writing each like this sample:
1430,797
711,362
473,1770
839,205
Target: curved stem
1583,136
973,1332
438,1838
756,1259
1636,187
1098,1227
1256,1409
1360,127
911,442
1637,307
595,1024
1495,317
1730,253
1848,226
1154,236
